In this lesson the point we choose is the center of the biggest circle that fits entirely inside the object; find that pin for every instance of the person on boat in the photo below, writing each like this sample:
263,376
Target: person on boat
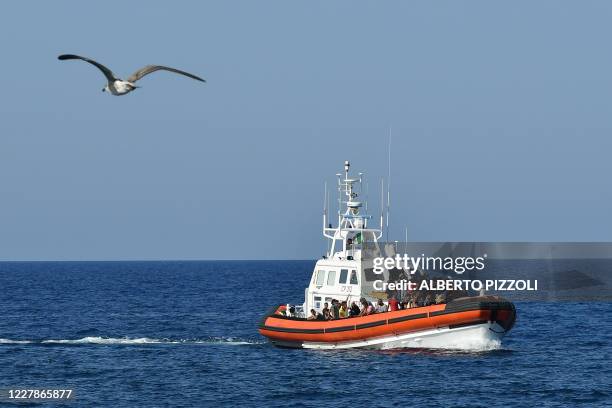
366,307
393,304
343,311
291,312
381,307
335,310
355,311
313,315
325,311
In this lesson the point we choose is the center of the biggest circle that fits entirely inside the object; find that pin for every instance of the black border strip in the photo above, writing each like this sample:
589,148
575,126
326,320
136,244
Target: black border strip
371,324
340,329
468,307
443,312
291,330
406,318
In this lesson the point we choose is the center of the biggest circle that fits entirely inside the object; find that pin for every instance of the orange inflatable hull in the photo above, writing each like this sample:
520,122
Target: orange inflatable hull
292,332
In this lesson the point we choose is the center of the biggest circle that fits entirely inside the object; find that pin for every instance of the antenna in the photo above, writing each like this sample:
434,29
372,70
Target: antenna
325,208
388,182
328,204
382,202
327,250
325,199
367,195
339,196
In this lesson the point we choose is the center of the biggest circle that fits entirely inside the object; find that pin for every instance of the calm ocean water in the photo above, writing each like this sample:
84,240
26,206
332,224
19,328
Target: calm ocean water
185,333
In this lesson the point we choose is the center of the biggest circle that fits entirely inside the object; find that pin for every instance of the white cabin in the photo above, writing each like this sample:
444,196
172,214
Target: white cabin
339,274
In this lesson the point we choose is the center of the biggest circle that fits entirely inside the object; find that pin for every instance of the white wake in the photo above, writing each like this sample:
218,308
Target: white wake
134,341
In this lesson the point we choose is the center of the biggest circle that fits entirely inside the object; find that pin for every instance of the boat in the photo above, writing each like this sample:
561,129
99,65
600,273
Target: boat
464,322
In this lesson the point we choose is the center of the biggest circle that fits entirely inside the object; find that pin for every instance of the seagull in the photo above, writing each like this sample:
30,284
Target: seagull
118,86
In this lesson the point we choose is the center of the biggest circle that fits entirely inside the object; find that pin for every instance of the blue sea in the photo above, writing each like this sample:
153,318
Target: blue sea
155,334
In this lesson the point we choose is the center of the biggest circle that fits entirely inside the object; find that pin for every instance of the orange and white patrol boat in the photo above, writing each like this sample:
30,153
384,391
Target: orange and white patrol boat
476,322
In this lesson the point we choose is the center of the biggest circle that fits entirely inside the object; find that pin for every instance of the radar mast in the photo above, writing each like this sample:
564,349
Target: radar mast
352,229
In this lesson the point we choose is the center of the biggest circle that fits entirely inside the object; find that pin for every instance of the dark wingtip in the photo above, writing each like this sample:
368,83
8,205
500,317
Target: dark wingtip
67,56
197,78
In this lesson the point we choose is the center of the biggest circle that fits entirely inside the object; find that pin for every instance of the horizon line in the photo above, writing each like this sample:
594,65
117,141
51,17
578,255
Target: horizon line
152,260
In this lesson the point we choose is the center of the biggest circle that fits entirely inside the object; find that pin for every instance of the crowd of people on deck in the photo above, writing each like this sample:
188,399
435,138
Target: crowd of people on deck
341,310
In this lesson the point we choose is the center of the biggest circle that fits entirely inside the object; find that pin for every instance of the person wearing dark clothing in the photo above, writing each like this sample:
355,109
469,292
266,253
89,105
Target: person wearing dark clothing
325,311
355,311
335,310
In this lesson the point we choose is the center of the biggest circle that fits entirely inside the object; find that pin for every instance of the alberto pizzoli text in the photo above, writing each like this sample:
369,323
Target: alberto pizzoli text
450,284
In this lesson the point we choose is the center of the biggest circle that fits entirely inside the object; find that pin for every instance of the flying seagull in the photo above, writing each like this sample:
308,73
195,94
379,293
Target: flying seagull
118,86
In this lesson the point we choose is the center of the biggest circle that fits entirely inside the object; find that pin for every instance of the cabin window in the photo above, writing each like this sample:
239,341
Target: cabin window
331,278
317,302
343,276
354,278
320,278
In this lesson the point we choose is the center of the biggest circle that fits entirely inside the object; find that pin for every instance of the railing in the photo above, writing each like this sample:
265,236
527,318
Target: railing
299,310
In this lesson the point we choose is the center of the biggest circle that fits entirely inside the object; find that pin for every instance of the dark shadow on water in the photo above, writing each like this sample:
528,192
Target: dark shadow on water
447,352
417,352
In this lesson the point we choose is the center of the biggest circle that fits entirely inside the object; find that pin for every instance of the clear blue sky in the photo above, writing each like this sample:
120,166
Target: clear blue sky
501,116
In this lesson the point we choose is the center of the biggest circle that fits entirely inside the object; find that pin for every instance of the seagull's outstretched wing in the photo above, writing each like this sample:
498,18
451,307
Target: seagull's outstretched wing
152,68
107,72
